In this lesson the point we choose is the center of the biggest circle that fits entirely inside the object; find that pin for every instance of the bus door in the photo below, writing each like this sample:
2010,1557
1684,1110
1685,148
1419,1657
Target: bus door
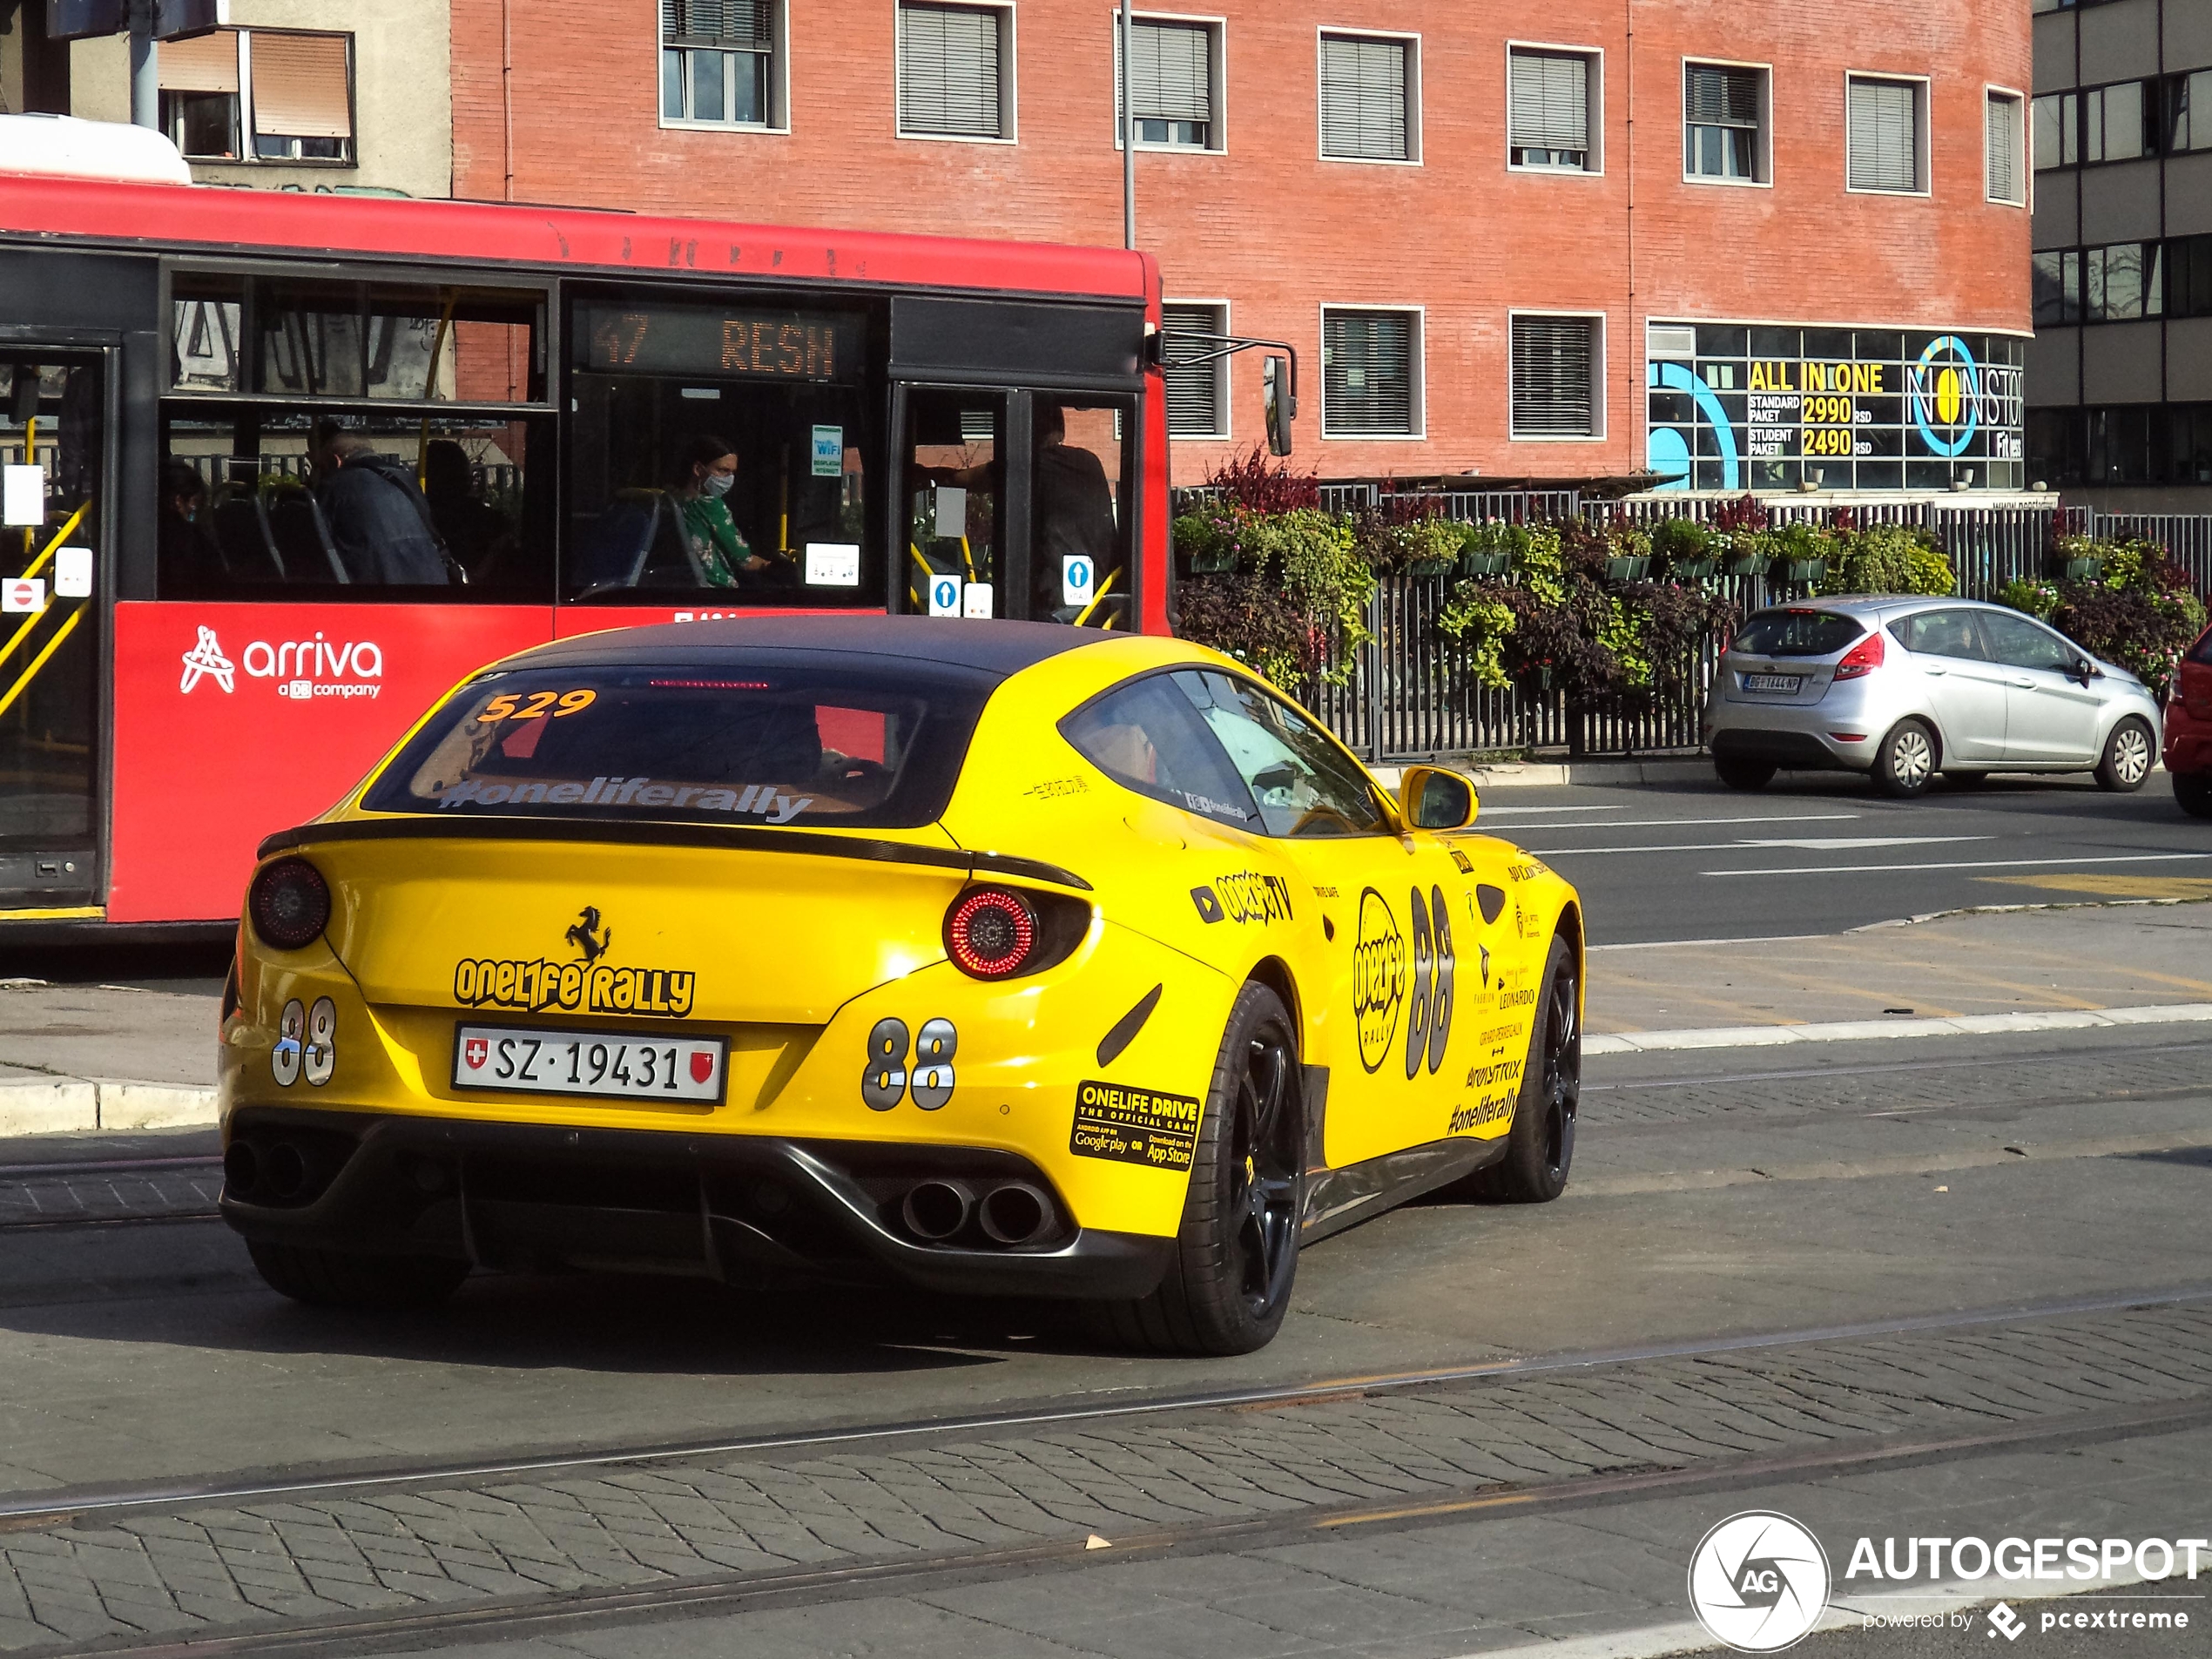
1014,505
54,445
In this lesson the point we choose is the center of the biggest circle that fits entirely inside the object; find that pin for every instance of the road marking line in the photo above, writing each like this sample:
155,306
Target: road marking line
1746,844
1670,944
1679,823
1501,812
1984,864
1756,1036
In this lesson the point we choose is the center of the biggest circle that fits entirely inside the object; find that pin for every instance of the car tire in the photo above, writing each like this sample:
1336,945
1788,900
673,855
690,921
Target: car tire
1905,761
1739,771
1539,1147
2130,752
1236,1256
2193,794
331,1278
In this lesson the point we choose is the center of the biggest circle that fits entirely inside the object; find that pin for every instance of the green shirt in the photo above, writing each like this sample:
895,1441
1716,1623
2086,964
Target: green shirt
716,539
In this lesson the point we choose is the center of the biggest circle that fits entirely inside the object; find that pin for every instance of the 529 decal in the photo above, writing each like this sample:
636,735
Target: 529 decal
1428,1019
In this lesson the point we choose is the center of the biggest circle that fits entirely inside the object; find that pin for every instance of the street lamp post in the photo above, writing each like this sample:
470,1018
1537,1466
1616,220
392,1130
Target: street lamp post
146,75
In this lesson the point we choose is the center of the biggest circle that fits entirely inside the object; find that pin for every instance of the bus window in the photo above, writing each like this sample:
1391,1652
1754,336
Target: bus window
369,440
718,452
1078,483
956,488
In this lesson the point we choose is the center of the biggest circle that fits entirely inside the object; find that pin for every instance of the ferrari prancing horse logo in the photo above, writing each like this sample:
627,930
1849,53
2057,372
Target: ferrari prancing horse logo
586,934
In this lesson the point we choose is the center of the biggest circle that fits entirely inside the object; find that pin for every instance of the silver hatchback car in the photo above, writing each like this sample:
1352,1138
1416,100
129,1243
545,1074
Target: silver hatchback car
1905,688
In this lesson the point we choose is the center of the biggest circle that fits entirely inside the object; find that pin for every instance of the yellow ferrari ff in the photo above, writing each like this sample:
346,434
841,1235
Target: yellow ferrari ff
989,957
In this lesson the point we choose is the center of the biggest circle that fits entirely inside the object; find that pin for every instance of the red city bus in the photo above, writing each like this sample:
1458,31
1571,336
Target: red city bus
225,600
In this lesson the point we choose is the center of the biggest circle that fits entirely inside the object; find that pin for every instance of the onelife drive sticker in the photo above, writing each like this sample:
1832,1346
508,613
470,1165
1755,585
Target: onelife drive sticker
1135,1125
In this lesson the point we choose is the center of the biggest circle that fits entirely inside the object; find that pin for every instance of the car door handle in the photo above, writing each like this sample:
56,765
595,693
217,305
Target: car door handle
1934,668
2024,685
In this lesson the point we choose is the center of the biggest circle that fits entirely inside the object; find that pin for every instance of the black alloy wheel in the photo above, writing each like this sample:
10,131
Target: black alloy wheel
1236,1256
1540,1146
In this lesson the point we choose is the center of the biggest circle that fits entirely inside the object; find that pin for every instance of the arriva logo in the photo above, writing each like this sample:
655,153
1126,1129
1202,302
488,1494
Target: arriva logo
302,668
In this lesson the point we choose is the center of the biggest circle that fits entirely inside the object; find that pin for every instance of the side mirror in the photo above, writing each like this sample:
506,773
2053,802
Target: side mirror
1433,798
2085,670
1278,402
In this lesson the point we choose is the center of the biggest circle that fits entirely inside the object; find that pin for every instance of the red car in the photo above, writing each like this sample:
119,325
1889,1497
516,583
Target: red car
2188,731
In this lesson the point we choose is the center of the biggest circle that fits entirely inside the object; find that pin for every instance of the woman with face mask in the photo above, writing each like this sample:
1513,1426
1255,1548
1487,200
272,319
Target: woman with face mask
702,486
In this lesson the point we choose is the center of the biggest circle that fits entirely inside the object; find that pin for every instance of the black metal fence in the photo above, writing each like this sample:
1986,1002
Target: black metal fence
1410,695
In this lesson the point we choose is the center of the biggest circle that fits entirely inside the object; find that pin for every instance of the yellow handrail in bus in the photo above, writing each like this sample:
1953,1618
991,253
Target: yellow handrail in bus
39,661
33,568
1083,618
430,388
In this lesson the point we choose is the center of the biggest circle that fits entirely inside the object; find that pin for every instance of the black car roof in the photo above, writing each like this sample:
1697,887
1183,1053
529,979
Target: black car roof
996,648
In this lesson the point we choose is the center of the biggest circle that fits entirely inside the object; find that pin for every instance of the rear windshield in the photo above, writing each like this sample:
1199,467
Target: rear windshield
1796,632
727,744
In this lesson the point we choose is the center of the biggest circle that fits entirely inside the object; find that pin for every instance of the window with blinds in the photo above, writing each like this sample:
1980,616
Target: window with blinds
2007,177
1369,374
718,61
259,95
199,88
950,82
1884,136
1170,79
1554,377
1198,393
1548,103
1366,102
1722,108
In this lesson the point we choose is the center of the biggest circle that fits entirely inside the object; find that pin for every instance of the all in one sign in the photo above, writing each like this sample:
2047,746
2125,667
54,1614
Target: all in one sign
1736,405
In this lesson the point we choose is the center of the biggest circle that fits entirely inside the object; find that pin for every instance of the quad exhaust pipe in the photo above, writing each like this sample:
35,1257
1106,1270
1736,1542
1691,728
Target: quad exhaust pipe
937,1210
1015,1213
261,1174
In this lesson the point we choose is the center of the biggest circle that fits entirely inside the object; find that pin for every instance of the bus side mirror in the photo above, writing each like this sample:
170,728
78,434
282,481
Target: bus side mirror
1279,402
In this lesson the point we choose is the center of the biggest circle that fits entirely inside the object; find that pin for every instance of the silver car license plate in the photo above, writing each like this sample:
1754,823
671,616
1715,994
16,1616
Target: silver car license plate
606,1065
1773,681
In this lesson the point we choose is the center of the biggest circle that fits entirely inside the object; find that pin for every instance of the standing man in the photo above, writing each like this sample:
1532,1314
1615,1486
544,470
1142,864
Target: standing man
379,521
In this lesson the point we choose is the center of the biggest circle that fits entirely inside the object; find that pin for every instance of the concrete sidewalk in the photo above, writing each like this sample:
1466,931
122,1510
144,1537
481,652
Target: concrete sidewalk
81,1058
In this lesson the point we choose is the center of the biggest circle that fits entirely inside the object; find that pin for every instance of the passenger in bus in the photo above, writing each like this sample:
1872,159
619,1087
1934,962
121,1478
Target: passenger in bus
474,531
379,521
700,491
190,564
1075,510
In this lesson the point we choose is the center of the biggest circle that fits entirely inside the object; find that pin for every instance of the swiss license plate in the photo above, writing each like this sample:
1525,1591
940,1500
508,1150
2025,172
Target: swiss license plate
606,1065
1773,681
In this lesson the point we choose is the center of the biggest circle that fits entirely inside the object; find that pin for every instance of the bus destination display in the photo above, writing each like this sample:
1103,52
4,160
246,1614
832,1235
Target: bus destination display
765,344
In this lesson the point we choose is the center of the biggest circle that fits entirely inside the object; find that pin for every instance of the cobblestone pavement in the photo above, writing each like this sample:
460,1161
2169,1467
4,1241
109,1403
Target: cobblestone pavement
1619,1093
97,1581
29,1199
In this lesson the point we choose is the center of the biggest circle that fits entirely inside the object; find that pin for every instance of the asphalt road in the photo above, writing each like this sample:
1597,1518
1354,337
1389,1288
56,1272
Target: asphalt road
1817,853
1941,1289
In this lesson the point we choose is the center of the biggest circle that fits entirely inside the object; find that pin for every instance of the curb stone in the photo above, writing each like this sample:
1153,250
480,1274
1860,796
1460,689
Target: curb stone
1754,1036
64,1105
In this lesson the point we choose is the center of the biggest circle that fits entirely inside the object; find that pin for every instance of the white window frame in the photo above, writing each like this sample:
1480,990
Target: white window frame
1222,382
1595,58
1217,69
1765,180
1010,61
778,85
2023,138
1600,357
1923,135
1414,58
1418,365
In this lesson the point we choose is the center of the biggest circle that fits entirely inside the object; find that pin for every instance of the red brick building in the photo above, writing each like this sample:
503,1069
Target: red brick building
1743,244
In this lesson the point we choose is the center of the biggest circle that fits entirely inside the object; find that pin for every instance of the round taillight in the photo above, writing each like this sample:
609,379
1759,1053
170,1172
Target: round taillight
991,933
289,902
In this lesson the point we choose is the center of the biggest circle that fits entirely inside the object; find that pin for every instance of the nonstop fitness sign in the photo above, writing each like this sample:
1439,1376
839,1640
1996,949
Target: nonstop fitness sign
1740,406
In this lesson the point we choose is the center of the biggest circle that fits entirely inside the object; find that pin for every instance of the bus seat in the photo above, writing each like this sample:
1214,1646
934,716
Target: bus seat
618,546
243,544
295,522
